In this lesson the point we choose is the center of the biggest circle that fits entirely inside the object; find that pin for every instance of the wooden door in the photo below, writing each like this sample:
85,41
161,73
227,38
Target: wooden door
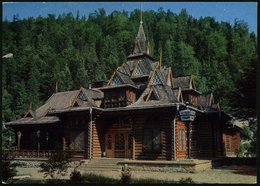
118,144
110,145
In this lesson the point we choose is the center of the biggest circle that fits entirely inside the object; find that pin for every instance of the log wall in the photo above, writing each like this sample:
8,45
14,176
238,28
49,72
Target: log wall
155,120
231,142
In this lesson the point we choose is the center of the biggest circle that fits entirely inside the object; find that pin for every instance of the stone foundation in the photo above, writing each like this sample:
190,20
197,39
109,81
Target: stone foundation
188,166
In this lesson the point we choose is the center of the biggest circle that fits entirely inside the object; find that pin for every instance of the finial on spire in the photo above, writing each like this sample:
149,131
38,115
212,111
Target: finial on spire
30,106
141,21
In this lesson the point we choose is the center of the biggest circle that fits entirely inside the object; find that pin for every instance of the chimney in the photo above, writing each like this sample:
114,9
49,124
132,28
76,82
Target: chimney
89,86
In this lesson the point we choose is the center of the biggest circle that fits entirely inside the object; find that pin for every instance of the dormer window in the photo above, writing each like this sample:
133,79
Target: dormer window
138,70
156,80
116,81
82,96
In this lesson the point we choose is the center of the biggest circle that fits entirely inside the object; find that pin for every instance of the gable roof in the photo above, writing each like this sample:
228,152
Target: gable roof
205,101
164,93
140,41
124,78
163,74
31,120
185,82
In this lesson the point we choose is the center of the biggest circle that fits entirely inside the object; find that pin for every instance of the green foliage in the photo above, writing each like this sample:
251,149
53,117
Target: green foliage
98,179
8,139
249,147
125,175
74,52
186,181
75,177
8,167
56,166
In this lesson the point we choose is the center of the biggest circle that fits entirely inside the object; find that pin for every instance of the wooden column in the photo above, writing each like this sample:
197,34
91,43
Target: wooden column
172,140
19,135
189,131
133,146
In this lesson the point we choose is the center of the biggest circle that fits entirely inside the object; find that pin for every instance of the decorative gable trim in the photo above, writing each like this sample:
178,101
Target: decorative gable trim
80,93
180,97
169,80
211,99
115,80
192,83
29,114
152,95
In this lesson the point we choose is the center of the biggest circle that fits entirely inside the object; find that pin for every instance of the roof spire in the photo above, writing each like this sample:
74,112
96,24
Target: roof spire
140,41
141,20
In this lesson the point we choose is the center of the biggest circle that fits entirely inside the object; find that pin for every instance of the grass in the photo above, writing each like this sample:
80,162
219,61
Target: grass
100,179
23,174
96,178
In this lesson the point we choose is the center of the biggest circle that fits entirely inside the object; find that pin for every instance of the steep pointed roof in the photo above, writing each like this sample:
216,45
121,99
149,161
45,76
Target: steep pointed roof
164,95
122,78
140,41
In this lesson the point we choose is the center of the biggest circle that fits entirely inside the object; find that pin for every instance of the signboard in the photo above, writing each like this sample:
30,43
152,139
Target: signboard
187,115
187,112
187,118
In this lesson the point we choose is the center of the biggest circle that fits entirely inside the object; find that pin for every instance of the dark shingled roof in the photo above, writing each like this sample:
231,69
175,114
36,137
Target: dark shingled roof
31,120
140,41
165,94
205,101
183,82
94,93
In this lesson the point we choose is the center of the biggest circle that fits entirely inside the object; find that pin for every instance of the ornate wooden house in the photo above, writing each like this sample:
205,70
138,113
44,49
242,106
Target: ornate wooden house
135,115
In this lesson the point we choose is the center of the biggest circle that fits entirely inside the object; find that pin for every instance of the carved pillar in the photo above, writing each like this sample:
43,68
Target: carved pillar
189,132
19,135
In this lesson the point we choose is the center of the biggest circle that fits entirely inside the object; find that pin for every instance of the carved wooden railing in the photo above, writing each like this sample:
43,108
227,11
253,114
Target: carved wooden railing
30,153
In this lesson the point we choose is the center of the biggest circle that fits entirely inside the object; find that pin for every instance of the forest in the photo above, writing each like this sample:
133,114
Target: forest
75,51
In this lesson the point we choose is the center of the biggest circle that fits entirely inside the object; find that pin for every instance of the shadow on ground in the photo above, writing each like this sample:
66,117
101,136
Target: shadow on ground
243,170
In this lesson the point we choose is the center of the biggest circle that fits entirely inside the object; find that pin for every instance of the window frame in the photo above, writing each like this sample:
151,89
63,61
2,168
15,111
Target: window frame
152,141
182,144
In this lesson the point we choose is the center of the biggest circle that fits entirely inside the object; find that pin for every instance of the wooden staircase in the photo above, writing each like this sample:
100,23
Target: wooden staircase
102,164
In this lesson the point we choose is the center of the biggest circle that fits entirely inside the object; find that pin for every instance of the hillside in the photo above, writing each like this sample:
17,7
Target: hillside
75,51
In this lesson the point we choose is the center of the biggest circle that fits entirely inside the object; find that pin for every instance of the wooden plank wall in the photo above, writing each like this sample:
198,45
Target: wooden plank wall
202,135
153,119
231,142
98,138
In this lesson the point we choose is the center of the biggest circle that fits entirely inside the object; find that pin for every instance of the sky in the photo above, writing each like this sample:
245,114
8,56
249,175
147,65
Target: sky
221,11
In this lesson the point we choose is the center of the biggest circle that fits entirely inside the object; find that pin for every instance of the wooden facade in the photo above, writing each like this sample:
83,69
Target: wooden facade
231,140
134,115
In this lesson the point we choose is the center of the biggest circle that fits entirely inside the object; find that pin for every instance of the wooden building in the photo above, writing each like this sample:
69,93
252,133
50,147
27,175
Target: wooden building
135,115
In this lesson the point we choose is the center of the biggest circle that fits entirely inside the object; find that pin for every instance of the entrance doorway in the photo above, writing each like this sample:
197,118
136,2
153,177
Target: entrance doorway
118,144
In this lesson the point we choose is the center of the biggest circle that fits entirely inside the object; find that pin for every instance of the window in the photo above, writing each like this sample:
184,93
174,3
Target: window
181,139
138,70
82,96
152,140
116,81
77,140
156,80
119,142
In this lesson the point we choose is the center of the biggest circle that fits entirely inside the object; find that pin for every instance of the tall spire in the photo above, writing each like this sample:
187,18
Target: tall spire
140,40
141,20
